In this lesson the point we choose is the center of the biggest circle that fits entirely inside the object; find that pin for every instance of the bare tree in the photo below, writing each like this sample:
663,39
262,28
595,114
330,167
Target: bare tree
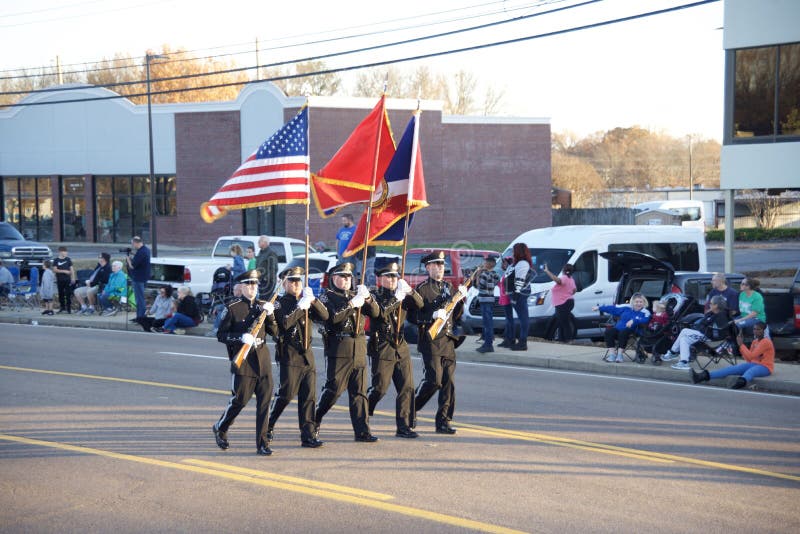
462,98
762,206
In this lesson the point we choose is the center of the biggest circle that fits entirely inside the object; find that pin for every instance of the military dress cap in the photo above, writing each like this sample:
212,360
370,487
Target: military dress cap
391,269
437,256
248,277
342,269
293,273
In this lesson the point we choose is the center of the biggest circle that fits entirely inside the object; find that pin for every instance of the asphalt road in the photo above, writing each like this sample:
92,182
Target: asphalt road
749,257
107,431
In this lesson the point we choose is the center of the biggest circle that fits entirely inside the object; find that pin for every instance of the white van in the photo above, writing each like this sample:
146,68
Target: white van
596,278
691,212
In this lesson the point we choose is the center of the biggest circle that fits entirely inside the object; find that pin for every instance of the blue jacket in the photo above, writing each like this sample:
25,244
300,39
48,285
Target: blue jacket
625,314
141,265
117,285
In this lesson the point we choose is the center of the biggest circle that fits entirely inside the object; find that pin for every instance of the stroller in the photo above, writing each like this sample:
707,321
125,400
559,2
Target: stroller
659,340
221,292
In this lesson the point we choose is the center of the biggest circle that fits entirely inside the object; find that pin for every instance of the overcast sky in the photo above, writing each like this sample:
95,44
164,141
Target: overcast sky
663,72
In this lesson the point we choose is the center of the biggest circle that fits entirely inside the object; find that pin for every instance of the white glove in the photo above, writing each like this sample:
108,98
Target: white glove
462,290
362,291
399,294
309,293
305,303
357,301
403,286
440,314
248,339
269,308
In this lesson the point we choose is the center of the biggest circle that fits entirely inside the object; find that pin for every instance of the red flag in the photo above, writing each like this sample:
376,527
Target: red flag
348,178
276,173
403,187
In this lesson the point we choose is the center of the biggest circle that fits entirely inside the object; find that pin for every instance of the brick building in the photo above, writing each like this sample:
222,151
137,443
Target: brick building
79,171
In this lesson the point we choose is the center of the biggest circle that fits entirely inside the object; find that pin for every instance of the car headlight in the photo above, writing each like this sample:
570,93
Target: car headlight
537,299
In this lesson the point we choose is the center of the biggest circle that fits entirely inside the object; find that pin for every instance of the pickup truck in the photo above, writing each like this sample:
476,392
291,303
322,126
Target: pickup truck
197,272
16,250
782,307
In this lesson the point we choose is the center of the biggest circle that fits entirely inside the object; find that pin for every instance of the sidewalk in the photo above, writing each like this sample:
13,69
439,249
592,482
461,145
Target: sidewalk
577,357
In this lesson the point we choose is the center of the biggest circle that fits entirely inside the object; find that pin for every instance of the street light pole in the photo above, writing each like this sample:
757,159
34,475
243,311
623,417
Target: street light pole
153,240
691,177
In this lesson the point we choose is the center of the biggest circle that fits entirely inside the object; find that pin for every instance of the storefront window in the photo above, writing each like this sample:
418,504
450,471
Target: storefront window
123,205
28,204
789,91
73,209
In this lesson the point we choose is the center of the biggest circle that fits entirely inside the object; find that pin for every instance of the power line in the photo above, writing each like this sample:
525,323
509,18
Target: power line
324,56
381,63
300,36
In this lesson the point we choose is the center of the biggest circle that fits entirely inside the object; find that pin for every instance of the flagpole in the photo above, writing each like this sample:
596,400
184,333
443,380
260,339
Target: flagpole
369,202
308,217
411,171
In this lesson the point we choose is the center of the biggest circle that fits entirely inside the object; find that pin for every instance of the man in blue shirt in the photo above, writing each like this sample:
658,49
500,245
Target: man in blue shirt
719,285
345,234
139,271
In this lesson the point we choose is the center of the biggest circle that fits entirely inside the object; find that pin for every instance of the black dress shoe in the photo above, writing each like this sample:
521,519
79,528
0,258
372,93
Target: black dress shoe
312,443
366,437
408,433
220,437
264,450
445,429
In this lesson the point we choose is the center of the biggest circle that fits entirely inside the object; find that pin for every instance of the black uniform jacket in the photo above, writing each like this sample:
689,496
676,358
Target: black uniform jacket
342,338
291,322
239,318
435,295
384,341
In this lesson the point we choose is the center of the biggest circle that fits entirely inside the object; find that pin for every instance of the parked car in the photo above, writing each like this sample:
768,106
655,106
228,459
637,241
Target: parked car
319,263
782,307
595,277
197,273
459,263
16,250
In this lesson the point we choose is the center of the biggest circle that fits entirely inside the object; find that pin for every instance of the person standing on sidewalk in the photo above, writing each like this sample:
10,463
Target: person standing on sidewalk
487,280
509,338
62,267
563,301
267,265
521,290
139,271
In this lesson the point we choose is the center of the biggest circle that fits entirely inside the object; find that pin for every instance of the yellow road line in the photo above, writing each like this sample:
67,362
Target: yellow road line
306,489
290,480
114,379
513,434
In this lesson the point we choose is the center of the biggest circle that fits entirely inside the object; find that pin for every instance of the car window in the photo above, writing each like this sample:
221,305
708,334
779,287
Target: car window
223,248
585,273
682,256
315,266
555,258
298,249
414,263
279,250
470,262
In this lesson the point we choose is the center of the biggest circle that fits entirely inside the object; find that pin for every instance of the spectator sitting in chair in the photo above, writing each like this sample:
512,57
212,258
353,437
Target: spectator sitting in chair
159,311
630,318
187,313
713,325
6,280
98,279
751,305
116,288
759,360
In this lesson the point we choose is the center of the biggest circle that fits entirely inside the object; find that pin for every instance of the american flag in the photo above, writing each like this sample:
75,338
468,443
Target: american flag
276,173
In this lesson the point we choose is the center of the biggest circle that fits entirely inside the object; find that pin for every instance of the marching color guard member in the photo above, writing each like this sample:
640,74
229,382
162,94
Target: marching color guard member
438,354
298,374
388,350
346,349
255,373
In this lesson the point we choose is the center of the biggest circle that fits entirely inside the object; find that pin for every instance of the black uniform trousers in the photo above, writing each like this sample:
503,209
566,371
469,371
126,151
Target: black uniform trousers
439,375
342,373
399,372
242,390
300,382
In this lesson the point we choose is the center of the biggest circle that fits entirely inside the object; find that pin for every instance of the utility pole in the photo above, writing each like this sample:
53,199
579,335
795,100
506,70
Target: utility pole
691,177
59,77
258,67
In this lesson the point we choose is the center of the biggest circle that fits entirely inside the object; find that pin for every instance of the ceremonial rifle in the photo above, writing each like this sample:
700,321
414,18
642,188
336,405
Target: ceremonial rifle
437,325
241,356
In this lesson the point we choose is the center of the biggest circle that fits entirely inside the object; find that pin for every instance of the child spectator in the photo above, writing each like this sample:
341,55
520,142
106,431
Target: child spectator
62,267
488,278
238,266
48,288
659,319
250,255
